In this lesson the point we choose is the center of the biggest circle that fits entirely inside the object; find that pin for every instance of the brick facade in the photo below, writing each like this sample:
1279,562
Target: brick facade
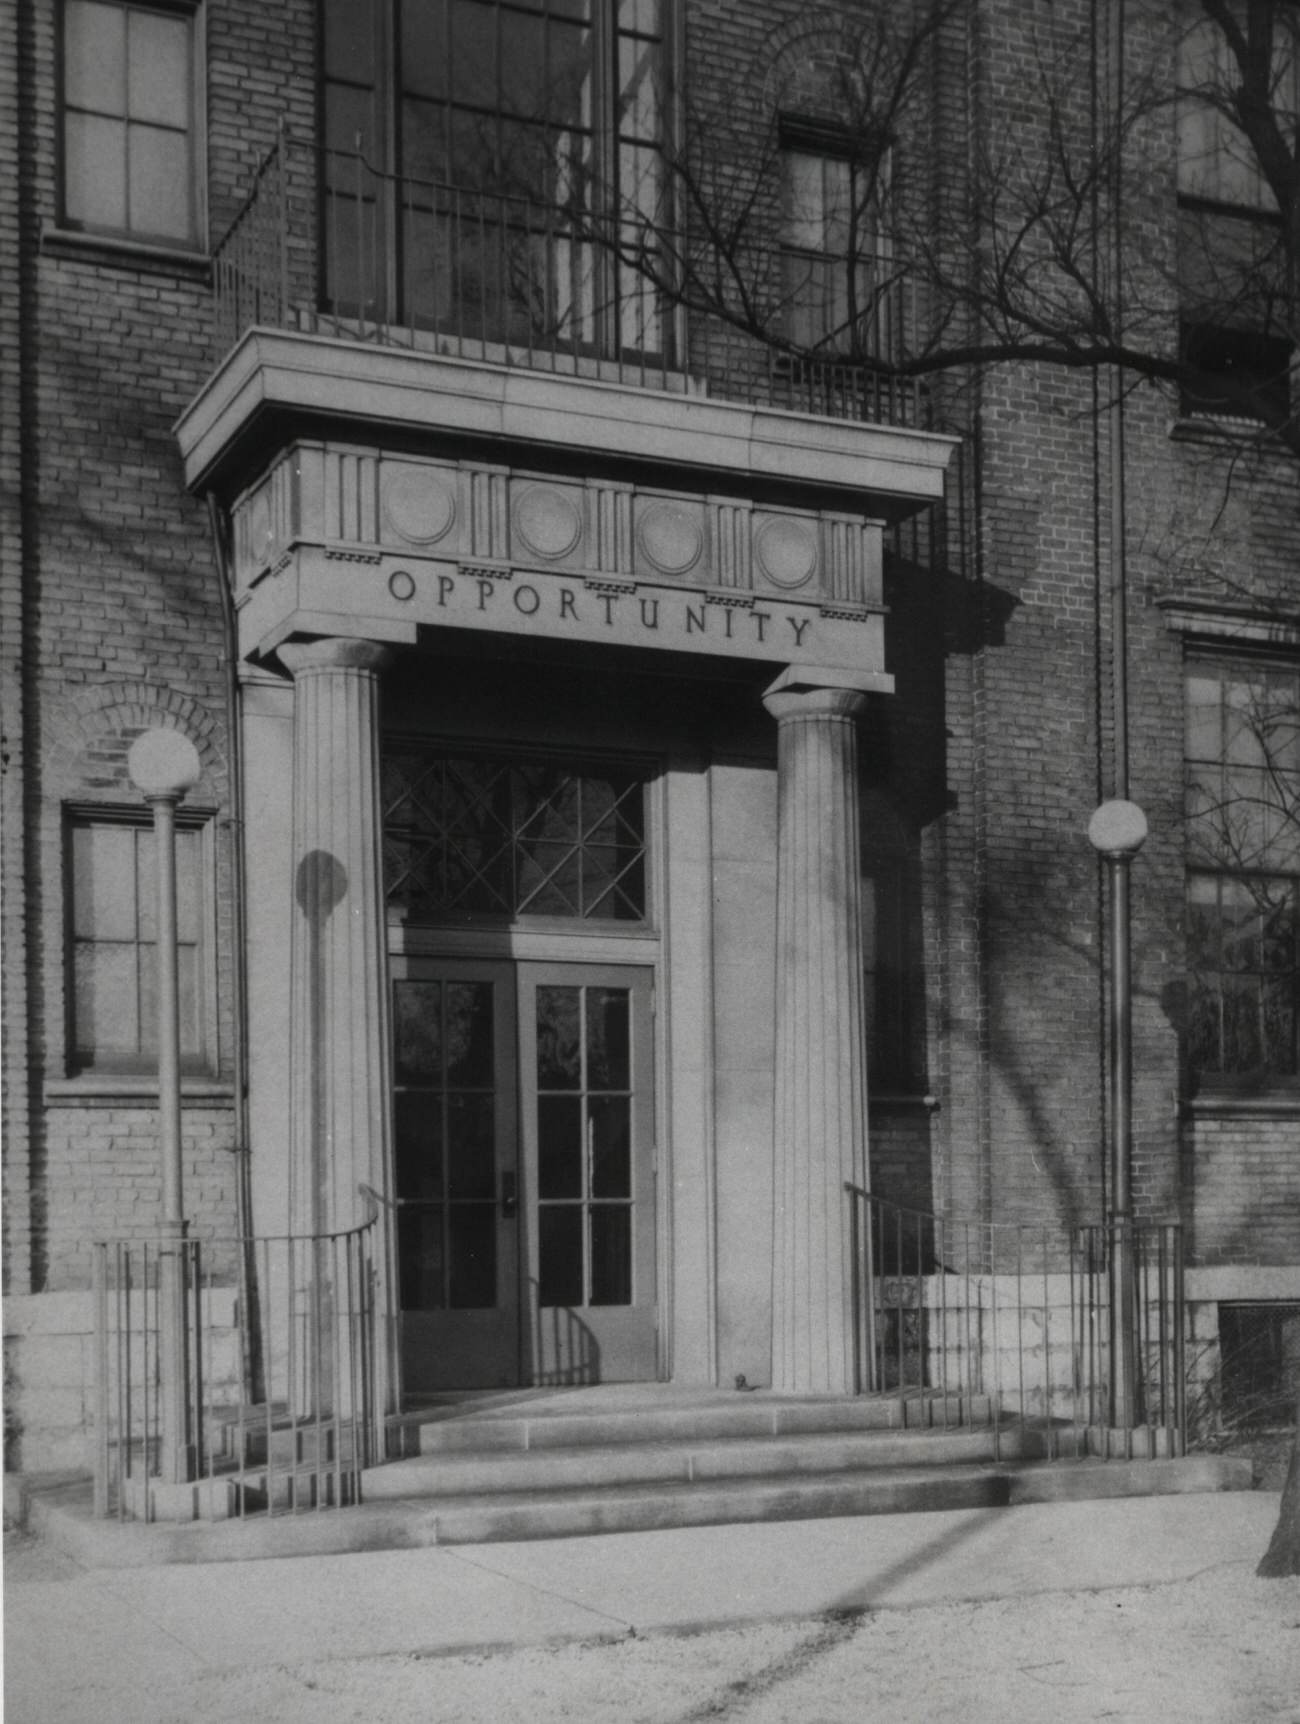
994,750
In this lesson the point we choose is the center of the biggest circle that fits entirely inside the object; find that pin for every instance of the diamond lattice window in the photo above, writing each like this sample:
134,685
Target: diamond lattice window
477,836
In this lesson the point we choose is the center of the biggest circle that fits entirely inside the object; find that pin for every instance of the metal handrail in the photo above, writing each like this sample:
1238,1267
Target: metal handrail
327,243
973,1321
310,1313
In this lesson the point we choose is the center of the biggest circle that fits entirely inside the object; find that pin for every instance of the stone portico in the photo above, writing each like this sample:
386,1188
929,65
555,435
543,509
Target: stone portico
448,534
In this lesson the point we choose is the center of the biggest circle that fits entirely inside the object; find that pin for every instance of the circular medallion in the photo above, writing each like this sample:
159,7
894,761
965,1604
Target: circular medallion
786,551
418,506
548,522
670,538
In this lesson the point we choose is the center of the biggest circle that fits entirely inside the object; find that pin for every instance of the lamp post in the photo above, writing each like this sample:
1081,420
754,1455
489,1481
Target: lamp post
1117,832
163,765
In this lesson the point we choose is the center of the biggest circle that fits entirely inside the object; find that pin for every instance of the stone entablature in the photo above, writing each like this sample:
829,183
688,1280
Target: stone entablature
346,499
395,541
455,497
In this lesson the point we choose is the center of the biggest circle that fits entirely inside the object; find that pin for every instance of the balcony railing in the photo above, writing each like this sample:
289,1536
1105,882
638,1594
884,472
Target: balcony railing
327,244
988,1322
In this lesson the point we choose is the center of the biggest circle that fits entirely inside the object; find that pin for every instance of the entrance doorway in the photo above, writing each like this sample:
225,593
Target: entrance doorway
524,1147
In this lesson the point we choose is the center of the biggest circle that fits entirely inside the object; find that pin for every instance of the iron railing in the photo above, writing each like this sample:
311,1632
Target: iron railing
278,1357
975,1322
327,244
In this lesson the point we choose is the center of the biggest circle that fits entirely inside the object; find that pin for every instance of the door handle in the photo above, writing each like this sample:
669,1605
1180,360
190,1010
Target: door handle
509,1195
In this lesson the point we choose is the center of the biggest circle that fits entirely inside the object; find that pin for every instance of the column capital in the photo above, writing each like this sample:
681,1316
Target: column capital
334,653
811,690
784,703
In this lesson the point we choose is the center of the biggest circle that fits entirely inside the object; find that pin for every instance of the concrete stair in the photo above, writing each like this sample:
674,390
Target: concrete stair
552,1468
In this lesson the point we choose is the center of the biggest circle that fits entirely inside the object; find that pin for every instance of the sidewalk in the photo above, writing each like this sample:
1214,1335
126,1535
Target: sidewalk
64,1623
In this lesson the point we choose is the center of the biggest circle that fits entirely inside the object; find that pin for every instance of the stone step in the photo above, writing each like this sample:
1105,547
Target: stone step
645,1507
649,1507
495,1430
64,1513
691,1460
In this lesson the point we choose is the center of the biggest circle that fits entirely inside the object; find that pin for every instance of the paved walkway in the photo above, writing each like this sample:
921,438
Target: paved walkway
219,1616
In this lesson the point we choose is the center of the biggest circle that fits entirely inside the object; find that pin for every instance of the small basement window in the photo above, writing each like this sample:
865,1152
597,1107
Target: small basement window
1259,1353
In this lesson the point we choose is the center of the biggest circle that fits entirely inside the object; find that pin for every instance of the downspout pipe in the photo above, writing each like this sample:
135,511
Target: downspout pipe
239,957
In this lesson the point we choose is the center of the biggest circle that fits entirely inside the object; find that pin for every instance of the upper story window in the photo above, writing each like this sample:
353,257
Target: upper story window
474,837
1243,881
835,248
510,166
112,927
1238,101
1218,159
131,120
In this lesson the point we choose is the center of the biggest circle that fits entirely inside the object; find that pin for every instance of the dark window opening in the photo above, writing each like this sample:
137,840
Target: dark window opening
1235,373
1259,1363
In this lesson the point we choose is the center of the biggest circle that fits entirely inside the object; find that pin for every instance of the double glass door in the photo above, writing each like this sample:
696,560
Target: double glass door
524,1150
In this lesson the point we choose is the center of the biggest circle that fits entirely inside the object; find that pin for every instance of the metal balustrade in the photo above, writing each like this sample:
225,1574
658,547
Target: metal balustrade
326,244
278,1359
986,1323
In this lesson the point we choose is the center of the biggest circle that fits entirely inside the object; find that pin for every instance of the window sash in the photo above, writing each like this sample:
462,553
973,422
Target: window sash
513,133
1215,159
131,119
112,945
835,254
1242,754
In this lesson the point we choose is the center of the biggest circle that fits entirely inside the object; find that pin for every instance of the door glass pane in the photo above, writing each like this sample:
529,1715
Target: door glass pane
472,1228
417,1031
611,1254
469,1035
471,1171
609,1063
611,1146
417,1130
420,1254
559,1250
559,1146
558,1038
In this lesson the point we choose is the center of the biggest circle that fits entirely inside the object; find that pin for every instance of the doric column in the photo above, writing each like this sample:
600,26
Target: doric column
339,1073
338,1076
821,1084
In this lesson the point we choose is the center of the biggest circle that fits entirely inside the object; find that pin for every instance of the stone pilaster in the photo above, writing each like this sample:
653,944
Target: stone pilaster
821,1084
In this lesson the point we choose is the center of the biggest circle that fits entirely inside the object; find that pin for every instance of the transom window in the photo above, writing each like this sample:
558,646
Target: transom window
469,837
488,160
1243,882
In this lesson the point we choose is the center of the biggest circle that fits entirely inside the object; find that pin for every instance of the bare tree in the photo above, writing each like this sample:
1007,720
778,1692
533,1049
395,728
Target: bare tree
1041,252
